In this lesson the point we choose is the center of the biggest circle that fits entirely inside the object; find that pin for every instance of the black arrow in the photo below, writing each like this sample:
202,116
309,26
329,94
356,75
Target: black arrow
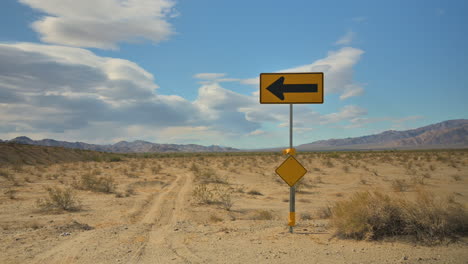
278,88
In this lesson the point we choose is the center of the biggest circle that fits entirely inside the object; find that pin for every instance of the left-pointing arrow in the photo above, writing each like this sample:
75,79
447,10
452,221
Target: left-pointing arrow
278,88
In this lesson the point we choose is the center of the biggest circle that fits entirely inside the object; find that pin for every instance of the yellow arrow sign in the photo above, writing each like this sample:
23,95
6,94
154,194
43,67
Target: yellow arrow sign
291,171
291,88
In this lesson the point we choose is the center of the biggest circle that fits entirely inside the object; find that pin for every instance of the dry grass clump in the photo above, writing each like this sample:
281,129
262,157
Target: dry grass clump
324,212
306,216
59,199
400,185
255,192
456,177
262,215
105,184
205,194
11,193
374,215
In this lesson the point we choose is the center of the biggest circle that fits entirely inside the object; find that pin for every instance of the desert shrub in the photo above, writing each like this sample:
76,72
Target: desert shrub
374,215
262,215
202,194
10,177
400,185
129,191
156,169
194,168
346,169
254,192
302,184
367,216
215,218
5,174
432,219
456,177
61,199
306,216
115,159
11,193
210,176
324,212
213,195
104,184
224,197
328,163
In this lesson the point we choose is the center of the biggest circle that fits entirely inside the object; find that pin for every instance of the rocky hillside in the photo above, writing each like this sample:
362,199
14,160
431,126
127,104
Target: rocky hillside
451,133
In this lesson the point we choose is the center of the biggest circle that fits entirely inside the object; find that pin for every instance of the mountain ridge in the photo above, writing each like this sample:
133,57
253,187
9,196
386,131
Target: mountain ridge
446,134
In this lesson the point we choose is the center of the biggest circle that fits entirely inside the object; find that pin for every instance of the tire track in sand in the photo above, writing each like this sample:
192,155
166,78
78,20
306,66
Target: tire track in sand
153,231
163,242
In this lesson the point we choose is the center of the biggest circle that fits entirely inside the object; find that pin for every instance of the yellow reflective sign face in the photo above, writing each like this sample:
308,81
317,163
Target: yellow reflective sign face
291,88
291,171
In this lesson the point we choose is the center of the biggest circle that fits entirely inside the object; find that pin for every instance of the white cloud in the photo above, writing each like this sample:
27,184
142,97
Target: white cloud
351,90
257,132
346,39
346,113
70,93
104,23
338,71
408,118
209,76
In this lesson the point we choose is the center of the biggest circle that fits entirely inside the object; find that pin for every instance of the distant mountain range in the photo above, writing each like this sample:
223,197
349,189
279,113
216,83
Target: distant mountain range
137,146
447,134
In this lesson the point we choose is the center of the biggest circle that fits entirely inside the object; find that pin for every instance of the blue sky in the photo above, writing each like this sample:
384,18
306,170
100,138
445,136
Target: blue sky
187,71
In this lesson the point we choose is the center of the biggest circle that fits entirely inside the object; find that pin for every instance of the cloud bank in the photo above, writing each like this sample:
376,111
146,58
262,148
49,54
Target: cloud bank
71,93
104,23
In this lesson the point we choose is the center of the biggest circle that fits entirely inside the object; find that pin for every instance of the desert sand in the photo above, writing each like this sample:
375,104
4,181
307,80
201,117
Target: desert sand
219,209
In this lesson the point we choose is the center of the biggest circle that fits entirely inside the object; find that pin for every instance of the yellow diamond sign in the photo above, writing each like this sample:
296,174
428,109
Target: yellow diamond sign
291,171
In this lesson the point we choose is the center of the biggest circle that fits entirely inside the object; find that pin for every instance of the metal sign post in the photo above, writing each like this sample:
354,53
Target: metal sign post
292,189
291,88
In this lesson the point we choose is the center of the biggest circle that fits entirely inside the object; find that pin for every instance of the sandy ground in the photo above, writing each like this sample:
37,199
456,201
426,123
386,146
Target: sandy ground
154,216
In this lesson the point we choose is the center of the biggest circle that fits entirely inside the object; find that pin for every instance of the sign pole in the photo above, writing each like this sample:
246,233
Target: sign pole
292,189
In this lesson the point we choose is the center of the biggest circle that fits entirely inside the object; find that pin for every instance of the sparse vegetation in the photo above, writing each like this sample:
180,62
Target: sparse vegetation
11,193
105,184
262,215
374,215
400,185
254,192
59,199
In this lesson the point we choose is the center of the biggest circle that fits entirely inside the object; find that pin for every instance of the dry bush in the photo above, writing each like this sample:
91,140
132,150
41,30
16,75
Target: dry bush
210,176
156,169
11,193
346,169
456,177
262,215
202,194
306,216
374,215
400,185
59,199
224,197
363,181
328,163
433,219
205,194
9,176
324,212
215,218
129,191
254,192
104,184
